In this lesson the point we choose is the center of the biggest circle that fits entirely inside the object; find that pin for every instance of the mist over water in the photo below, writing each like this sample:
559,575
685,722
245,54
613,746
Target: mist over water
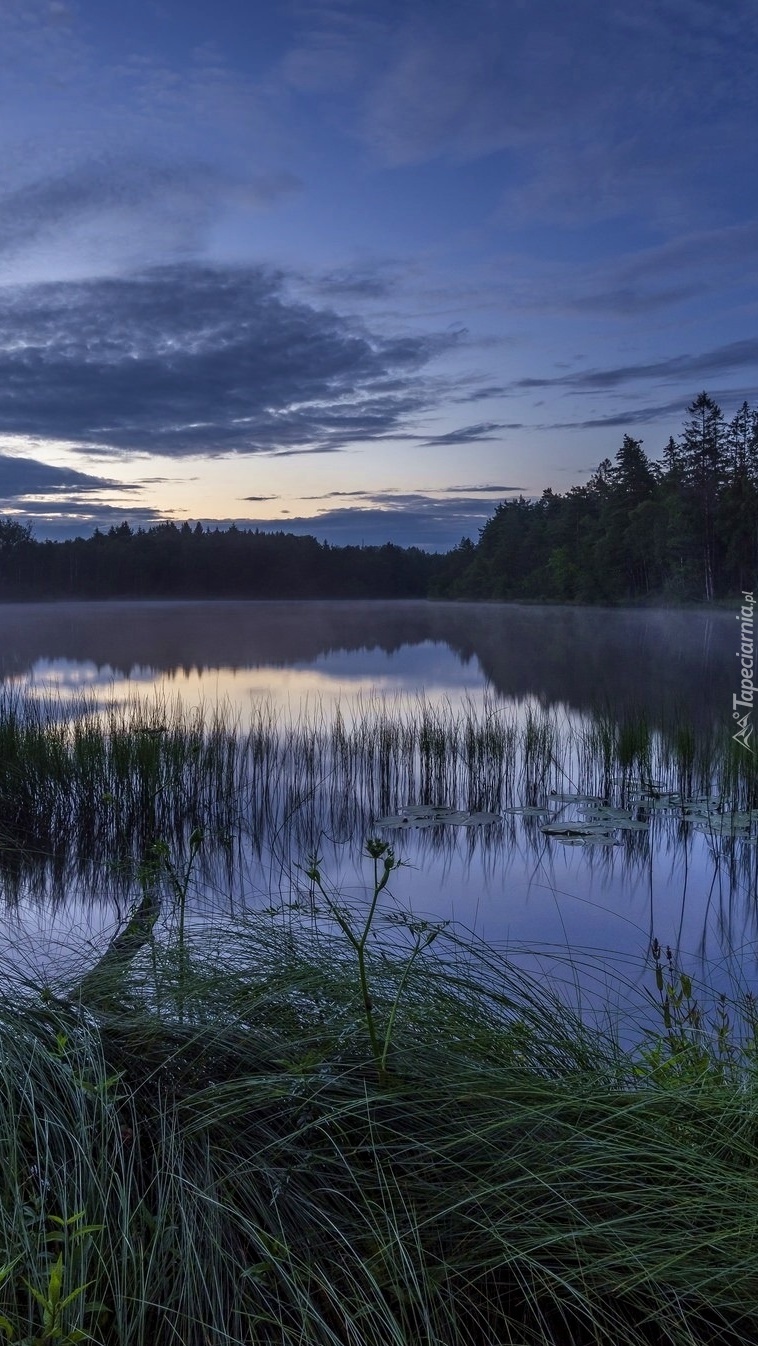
660,661
545,902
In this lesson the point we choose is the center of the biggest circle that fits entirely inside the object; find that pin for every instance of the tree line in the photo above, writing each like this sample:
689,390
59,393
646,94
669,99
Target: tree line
681,528
170,561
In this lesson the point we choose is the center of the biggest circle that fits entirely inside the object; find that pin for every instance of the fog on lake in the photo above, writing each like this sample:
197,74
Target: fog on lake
666,874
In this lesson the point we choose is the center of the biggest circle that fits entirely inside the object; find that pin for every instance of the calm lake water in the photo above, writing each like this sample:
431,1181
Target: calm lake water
569,906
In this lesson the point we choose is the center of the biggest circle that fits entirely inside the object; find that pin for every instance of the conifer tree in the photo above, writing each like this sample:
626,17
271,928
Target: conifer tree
704,460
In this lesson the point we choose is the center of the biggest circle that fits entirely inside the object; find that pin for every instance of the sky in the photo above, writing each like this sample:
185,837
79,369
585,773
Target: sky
364,268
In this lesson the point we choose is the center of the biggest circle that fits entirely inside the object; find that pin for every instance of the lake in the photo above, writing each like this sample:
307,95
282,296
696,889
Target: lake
584,912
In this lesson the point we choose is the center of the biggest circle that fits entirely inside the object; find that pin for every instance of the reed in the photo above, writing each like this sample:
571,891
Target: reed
85,792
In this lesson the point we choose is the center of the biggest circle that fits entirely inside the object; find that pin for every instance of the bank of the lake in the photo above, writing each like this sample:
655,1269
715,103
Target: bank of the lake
245,1137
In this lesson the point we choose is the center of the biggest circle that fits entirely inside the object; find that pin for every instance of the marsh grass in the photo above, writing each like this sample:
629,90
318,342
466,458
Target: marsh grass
86,790
212,1147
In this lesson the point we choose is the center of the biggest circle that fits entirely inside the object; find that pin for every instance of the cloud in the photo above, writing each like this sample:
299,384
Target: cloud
330,495
258,498
691,266
190,359
484,395
594,109
433,521
672,369
361,283
625,419
729,399
484,490
61,502
309,448
117,211
122,204
408,521
400,501
68,518
21,477
467,434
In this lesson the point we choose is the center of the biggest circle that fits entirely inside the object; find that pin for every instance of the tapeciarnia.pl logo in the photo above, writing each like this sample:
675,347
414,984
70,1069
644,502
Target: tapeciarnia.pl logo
744,702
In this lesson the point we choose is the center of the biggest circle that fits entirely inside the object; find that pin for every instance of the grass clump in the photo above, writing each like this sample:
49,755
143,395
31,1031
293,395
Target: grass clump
221,1142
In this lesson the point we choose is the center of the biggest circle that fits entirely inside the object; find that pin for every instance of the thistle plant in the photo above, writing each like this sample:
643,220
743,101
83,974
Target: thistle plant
382,854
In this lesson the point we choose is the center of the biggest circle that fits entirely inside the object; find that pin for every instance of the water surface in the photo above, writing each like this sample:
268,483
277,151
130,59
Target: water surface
507,882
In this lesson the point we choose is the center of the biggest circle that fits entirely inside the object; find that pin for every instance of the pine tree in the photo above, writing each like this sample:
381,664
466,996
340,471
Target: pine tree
704,461
737,515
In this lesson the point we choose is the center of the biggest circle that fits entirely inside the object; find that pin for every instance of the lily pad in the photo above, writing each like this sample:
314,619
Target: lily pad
580,834
598,839
724,826
529,811
424,815
575,831
620,818
474,819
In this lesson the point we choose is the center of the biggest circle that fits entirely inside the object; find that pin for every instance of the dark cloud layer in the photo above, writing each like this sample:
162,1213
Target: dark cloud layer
410,519
467,434
59,502
192,359
413,520
21,477
483,490
709,364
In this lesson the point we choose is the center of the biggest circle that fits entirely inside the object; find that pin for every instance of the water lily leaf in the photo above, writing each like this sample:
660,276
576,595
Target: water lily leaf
415,814
574,830
423,816
620,818
723,827
597,839
480,819
580,834
529,811
670,800
443,818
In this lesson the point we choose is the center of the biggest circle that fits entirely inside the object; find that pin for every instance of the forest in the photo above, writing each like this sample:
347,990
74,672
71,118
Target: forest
682,528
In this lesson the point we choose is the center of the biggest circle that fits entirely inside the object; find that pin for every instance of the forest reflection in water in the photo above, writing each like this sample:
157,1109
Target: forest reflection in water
88,788
660,661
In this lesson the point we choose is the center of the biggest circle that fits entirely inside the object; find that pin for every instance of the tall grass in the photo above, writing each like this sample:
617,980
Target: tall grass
85,792
205,1149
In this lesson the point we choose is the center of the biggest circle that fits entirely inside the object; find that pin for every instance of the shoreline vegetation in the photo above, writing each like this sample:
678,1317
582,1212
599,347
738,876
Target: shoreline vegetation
677,530
297,1126
249,1135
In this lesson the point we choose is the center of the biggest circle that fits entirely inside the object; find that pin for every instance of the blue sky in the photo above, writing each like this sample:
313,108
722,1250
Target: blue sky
364,269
